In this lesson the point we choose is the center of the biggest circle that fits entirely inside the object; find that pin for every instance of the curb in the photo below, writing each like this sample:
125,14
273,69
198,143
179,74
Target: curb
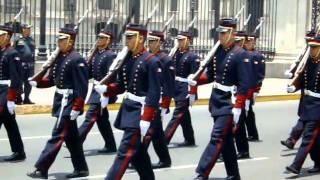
45,109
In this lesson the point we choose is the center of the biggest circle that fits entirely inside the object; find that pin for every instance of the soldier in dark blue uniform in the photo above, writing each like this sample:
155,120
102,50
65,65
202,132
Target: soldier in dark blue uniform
241,134
259,69
69,73
98,112
156,133
26,47
185,63
227,71
10,68
297,130
139,79
309,110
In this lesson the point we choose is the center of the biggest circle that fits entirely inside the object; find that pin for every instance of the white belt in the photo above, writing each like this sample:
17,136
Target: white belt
180,79
310,93
5,82
64,91
223,87
133,97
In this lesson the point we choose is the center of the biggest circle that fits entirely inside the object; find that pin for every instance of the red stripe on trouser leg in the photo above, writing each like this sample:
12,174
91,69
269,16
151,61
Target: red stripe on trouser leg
176,124
92,120
148,137
58,145
128,157
219,147
314,135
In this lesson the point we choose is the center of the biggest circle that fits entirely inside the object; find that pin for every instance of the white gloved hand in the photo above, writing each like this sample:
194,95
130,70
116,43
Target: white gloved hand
291,89
163,112
288,74
74,115
236,114
33,83
192,99
247,105
144,127
101,88
11,107
191,82
104,101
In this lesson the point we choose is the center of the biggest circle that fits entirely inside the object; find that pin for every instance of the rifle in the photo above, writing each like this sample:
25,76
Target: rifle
14,25
54,55
94,48
121,57
246,22
208,57
151,14
167,23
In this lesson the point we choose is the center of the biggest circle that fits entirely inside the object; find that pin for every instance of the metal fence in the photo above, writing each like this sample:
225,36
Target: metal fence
208,12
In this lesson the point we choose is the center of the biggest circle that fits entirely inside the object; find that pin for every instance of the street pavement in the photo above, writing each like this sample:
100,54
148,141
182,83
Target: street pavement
268,161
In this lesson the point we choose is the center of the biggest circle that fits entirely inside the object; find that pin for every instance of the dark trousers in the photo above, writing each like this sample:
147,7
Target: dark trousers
309,144
94,115
10,123
221,141
66,131
251,123
156,135
296,132
181,116
132,150
241,135
25,86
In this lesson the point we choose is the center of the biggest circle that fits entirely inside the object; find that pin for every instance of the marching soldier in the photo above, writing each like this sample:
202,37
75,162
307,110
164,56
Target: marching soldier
98,68
185,63
156,133
297,130
241,134
227,70
69,74
308,111
139,79
10,68
26,47
259,69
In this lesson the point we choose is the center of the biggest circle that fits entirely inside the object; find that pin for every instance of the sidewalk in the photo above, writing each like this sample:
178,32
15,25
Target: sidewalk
272,90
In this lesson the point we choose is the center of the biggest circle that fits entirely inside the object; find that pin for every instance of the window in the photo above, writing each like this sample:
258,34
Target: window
12,6
255,8
174,5
105,4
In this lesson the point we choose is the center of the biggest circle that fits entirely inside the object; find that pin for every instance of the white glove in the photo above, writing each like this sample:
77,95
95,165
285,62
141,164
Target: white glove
191,82
144,127
104,101
247,105
101,88
11,107
33,83
291,89
288,74
163,112
236,114
74,115
192,99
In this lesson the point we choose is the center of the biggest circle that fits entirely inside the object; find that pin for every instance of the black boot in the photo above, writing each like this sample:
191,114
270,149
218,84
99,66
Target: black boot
315,169
77,173
27,101
186,144
233,178
253,139
16,157
19,100
243,155
291,169
161,164
37,174
288,143
199,177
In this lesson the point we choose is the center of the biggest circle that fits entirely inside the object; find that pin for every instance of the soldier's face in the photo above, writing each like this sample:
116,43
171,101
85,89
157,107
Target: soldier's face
26,32
315,51
250,44
63,44
133,42
183,43
102,41
4,40
226,37
154,45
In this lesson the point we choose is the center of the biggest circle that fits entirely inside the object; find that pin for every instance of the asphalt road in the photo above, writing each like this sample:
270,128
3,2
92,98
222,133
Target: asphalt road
268,161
